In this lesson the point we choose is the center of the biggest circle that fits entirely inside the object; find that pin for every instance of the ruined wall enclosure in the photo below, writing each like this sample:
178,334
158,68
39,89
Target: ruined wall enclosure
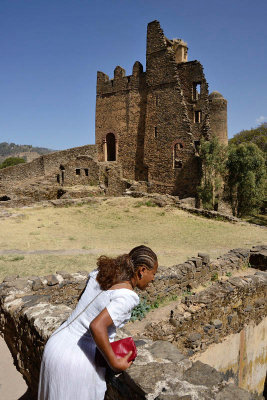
31,308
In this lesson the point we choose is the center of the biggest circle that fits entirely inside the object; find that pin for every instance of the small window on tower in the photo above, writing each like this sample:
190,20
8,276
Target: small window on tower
155,132
86,171
196,90
178,164
78,171
197,117
197,144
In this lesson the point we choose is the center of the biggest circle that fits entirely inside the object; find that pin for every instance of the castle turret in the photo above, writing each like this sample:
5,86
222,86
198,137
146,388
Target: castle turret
218,116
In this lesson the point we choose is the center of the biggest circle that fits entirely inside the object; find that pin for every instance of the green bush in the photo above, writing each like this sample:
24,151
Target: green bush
140,311
11,161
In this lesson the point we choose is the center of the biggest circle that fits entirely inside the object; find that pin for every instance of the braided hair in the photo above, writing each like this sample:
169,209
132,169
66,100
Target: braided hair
124,267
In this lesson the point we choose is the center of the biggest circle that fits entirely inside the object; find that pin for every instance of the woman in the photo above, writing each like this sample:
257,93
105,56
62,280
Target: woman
68,369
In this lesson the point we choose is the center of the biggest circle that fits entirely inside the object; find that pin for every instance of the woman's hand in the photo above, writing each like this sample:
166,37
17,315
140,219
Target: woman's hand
99,330
121,364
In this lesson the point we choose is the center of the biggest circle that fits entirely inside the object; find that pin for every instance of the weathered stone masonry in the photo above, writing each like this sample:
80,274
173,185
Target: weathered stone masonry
151,122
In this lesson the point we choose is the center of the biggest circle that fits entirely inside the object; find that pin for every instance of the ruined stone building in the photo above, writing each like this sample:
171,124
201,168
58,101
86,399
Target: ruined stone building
148,127
151,122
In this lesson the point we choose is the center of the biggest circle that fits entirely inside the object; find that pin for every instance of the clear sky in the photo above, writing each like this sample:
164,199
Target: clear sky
51,50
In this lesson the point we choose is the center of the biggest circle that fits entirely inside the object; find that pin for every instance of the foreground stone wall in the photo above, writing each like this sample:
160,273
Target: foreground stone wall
31,308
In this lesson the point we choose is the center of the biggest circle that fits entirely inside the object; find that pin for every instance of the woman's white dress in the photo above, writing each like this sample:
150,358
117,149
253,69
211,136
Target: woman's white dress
68,370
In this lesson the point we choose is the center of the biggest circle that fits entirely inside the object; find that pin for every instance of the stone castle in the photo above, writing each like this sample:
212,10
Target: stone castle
148,128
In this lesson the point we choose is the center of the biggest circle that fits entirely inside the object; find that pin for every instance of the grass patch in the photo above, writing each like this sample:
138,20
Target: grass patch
259,219
114,227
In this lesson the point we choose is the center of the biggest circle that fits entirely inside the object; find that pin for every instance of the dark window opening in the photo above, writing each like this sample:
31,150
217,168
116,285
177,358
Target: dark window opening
197,144
178,164
111,147
155,132
196,90
198,117
78,171
4,198
86,171
60,193
58,178
62,168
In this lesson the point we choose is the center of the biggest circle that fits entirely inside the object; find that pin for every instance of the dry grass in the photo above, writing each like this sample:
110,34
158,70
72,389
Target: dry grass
112,227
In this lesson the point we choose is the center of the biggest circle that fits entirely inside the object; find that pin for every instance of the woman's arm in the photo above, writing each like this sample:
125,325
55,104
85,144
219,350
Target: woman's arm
99,329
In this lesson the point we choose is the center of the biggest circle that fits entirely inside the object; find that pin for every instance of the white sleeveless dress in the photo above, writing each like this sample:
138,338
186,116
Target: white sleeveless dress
68,370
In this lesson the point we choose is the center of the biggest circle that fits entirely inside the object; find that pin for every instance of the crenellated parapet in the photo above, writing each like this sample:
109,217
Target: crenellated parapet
119,82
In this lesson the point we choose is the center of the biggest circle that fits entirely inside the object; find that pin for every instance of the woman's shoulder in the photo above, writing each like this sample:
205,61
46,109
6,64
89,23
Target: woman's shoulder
124,294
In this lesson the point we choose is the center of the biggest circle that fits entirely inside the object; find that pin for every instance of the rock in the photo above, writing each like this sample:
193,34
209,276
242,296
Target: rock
37,284
18,284
10,278
205,257
165,350
203,374
194,337
64,274
52,280
217,323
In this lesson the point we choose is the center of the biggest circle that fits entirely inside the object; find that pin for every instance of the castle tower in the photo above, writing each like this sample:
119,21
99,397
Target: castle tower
218,116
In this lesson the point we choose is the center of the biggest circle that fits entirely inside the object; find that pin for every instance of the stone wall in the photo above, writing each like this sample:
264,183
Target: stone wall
31,308
44,165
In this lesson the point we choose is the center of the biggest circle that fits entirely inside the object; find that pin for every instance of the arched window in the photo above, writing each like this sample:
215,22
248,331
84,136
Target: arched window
177,162
111,147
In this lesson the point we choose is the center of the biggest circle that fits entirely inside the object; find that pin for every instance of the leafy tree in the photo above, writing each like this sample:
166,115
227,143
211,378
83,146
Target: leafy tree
255,135
246,178
9,162
213,156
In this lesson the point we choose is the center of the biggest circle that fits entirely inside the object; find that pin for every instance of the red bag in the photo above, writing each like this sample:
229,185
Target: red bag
123,347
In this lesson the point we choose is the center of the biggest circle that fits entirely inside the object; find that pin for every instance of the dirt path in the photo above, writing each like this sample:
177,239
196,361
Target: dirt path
12,385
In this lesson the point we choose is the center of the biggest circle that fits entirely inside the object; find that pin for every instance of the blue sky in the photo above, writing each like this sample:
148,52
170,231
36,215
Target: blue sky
51,49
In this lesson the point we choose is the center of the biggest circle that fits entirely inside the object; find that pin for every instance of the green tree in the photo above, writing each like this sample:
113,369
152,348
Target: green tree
213,157
255,135
10,161
246,178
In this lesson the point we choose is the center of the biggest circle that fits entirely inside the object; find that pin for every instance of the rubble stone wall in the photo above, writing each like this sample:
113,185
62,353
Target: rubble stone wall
32,308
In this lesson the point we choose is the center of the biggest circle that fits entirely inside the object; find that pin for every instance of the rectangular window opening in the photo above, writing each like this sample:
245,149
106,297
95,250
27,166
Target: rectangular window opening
86,171
155,132
178,164
197,117
197,144
78,171
196,90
